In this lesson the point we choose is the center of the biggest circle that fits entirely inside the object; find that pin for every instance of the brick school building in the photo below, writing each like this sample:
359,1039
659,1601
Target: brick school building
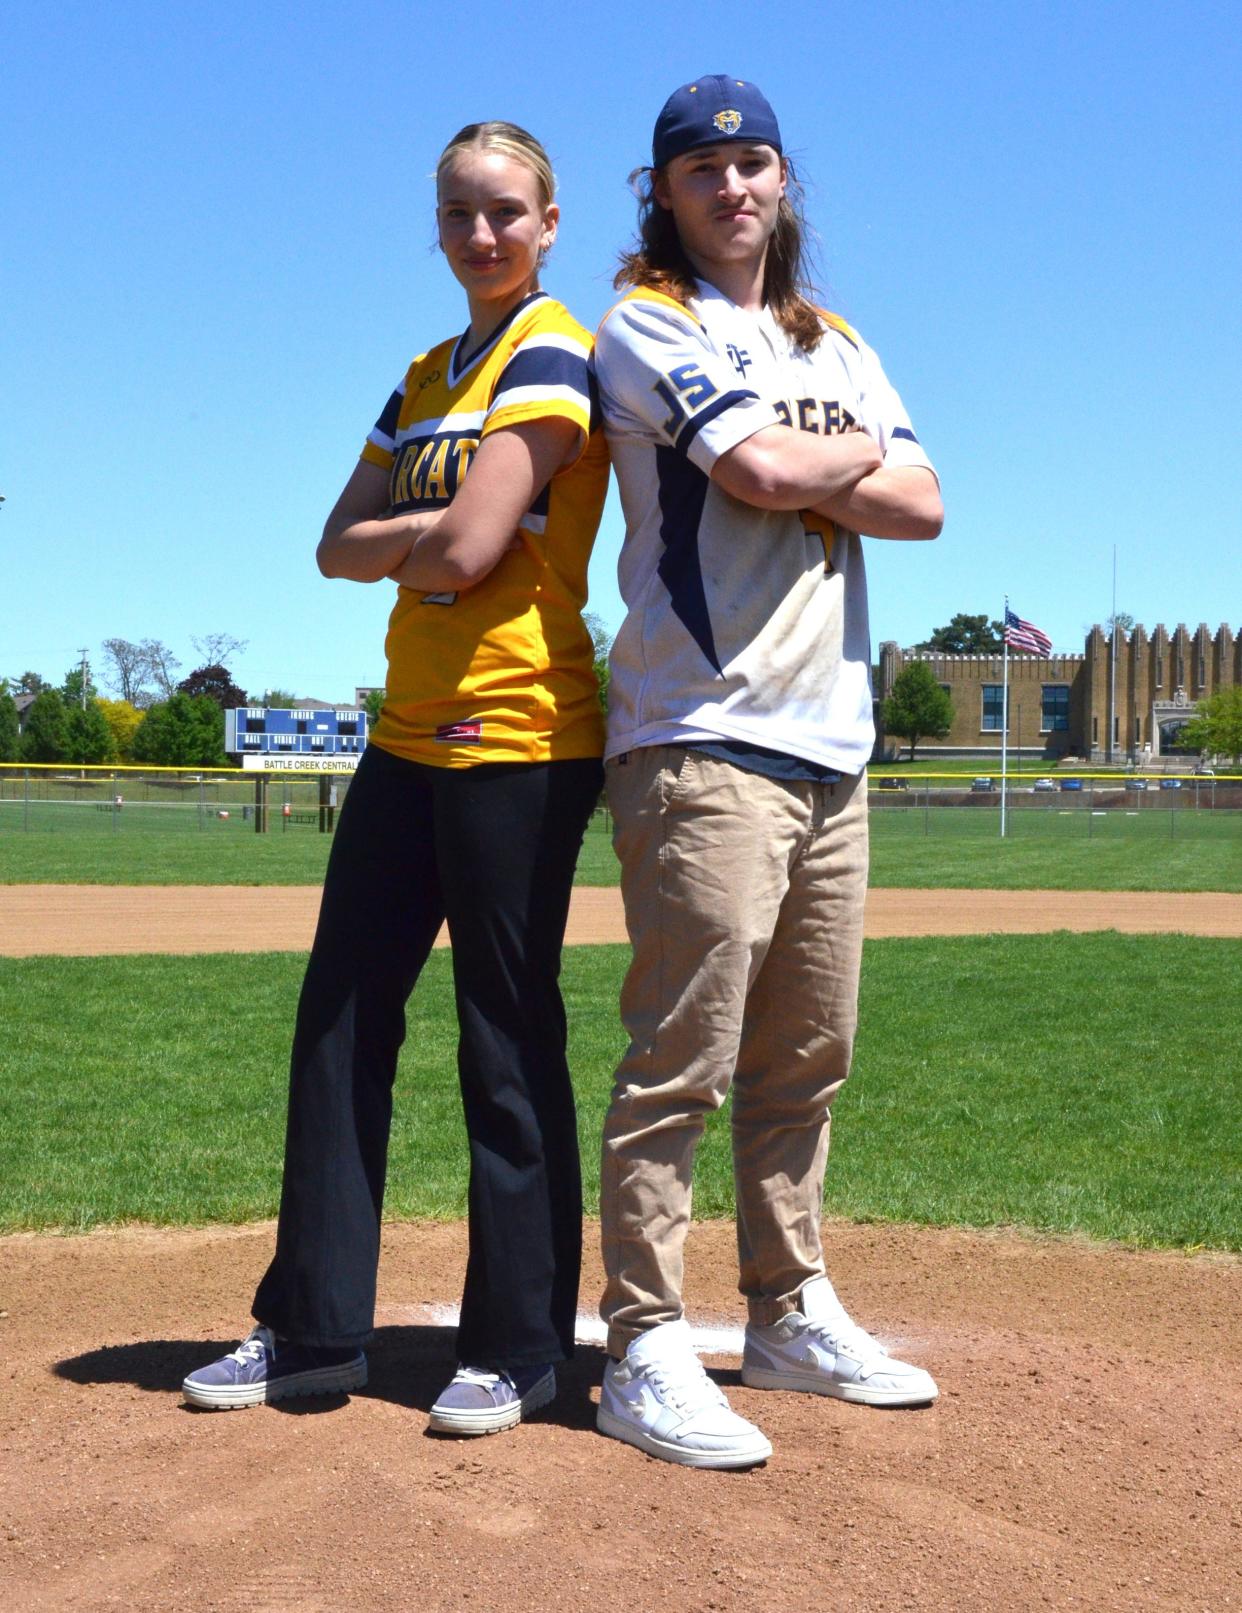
1079,706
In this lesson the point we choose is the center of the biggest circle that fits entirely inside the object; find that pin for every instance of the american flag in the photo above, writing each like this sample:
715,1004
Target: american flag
1020,635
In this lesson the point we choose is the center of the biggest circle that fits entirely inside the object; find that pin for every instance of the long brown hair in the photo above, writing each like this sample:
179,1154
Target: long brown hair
658,261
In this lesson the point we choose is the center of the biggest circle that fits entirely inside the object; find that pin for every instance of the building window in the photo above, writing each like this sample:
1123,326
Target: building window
993,708
1054,710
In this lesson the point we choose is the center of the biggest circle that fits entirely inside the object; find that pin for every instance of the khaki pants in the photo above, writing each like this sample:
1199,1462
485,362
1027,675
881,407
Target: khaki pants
744,903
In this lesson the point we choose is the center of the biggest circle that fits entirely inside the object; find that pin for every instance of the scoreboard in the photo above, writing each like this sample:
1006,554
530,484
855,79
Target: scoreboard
296,739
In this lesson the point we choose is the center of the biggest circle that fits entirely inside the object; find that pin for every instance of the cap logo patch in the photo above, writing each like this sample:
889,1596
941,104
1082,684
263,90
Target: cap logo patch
728,121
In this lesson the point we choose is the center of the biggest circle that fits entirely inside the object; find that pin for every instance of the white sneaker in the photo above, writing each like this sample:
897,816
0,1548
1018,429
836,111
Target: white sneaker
660,1399
820,1350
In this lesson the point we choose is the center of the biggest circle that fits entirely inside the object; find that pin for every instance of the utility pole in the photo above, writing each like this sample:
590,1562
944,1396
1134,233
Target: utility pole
86,672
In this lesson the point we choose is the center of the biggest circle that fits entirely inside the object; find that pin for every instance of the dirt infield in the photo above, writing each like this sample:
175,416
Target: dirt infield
88,920
1084,1453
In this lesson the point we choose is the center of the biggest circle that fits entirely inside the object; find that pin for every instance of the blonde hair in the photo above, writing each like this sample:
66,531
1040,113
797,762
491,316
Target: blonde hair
511,141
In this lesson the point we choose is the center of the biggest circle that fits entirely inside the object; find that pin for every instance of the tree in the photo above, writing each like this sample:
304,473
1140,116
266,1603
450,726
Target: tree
133,666
127,670
1216,727
966,635
218,649
87,735
918,708
601,641
45,737
185,731
123,721
71,688
374,704
216,682
29,683
1122,623
8,727
277,700
163,666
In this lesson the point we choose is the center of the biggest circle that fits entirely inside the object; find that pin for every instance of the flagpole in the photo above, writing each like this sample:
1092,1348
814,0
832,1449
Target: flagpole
1112,667
1005,722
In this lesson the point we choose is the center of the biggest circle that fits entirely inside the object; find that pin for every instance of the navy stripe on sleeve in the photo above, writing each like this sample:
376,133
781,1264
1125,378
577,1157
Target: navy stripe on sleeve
695,424
544,366
386,425
904,431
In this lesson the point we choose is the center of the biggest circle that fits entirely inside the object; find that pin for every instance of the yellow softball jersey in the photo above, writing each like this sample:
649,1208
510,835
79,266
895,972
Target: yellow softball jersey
503,671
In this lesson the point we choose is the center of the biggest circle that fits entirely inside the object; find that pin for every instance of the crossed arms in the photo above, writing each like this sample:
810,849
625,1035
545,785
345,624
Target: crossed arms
446,550
842,477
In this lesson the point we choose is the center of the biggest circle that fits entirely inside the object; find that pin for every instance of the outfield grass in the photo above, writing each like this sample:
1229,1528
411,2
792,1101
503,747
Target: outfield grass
77,852
991,1087
80,857
1045,849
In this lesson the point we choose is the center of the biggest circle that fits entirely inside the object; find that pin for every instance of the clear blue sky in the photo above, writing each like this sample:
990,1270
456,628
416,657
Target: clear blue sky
217,226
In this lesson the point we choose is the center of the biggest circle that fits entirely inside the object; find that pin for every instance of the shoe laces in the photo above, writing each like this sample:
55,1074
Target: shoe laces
842,1335
253,1347
686,1386
487,1380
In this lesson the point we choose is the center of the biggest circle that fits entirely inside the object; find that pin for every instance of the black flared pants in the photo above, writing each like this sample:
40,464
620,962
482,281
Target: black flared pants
491,848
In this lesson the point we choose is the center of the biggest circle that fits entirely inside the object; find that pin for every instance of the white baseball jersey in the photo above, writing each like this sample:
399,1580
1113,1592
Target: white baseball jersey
742,624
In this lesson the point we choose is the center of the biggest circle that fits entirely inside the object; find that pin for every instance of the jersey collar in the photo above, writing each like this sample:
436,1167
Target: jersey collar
706,293
461,361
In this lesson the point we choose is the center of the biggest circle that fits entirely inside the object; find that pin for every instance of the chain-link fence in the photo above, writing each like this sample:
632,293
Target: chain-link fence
92,801
1079,805
164,801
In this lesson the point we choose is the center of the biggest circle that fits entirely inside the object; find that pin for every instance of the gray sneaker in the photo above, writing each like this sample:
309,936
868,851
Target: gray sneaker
821,1351
660,1398
482,1402
263,1368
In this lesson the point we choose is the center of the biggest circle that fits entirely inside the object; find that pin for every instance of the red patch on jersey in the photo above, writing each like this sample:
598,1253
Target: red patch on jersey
460,733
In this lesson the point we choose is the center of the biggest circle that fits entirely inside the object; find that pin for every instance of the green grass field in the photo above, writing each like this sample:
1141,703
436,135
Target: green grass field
1066,1083
1156,850
1045,849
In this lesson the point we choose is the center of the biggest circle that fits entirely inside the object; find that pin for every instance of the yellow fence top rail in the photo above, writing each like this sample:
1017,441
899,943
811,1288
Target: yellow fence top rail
111,769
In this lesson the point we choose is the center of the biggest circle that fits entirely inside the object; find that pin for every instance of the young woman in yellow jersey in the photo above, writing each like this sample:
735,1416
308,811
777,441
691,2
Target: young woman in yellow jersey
478,492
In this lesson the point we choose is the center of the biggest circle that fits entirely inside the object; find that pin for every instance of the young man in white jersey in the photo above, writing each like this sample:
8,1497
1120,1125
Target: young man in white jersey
754,437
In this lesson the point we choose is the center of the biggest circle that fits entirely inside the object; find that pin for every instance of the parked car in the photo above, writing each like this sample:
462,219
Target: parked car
1071,784
980,785
1205,772
1136,784
1170,784
894,784
1042,784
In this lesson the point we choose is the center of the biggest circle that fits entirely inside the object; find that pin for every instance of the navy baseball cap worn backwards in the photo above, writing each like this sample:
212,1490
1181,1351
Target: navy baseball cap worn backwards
715,107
